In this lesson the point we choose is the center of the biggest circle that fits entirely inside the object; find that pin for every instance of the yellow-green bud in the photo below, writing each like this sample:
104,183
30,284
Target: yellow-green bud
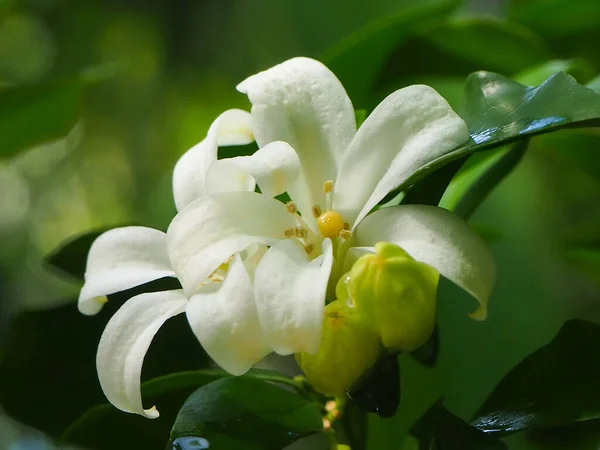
396,294
349,347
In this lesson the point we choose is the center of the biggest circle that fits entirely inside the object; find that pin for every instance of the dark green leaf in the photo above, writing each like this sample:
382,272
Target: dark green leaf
499,111
360,115
586,258
48,370
557,17
479,176
430,190
168,393
33,115
579,436
378,391
244,413
595,84
491,43
439,429
358,59
427,354
354,422
558,384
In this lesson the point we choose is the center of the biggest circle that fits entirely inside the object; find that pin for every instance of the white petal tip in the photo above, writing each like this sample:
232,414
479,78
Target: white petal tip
151,413
480,314
92,306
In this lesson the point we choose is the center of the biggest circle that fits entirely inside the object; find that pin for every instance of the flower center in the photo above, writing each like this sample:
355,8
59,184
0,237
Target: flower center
330,224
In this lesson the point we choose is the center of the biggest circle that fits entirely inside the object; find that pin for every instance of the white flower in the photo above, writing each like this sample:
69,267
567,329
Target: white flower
334,175
221,311
256,272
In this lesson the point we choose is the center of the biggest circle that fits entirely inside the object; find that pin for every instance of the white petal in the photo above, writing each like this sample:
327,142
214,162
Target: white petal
302,103
439,238
275,167
233,127
226,322
120,259
124,344
216,226
410,128
290,296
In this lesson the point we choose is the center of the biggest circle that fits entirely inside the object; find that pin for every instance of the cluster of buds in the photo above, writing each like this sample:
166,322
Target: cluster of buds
385,303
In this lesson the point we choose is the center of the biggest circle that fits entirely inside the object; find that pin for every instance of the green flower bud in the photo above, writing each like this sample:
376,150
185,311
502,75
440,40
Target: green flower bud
396,294
349,347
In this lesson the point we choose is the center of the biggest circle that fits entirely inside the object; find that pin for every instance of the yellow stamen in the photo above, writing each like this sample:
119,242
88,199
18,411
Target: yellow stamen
330,224
309,248
289,232
316,211
328,186
302,233
291,207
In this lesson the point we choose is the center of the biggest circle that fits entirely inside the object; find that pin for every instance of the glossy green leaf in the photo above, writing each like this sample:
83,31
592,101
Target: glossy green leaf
168,393
244,413
359,59
499,111
441,430
479,176
558,384
579,69
49,359
33,115
378,391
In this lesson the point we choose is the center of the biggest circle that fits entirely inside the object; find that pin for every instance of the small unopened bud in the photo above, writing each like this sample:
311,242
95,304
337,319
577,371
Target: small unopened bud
349,347
396,294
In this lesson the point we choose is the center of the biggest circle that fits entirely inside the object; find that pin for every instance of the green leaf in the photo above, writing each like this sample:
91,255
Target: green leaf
358,59
441,430
580,436
558,384
360,115
499,111
586,258
33,115
48,369
594,84
491,43
579,69
168,393
428,353
556,17
479,176
378,391
244,413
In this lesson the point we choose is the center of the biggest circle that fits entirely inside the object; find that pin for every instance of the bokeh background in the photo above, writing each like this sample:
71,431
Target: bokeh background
176,64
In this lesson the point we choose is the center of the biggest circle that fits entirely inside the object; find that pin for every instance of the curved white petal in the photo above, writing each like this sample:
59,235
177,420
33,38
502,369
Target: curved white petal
301,102
120,259
275,167
124,344
290,296
226,322
233,127
216,226
439,238
410,128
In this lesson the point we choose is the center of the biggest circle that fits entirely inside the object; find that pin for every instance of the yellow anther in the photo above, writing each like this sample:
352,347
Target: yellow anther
309,248
316,211
302,233
330,224
291,207
346,226
328,186
345,234
289,232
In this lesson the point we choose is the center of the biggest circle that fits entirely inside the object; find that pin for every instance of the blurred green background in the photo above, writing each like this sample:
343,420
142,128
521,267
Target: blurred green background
176,66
